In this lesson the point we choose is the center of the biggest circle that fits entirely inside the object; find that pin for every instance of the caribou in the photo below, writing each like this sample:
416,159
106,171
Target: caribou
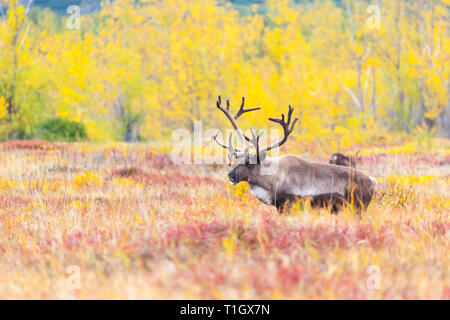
340,159
279,181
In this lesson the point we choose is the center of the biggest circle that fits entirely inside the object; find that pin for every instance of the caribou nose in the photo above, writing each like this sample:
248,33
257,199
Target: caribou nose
232,177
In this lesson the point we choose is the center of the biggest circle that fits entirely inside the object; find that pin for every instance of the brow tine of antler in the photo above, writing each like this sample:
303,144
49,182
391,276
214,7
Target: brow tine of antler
255,141
222,144
218,142
255,137
230,158
233,151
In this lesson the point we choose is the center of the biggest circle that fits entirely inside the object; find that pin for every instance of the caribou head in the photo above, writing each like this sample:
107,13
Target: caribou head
249,164
291,177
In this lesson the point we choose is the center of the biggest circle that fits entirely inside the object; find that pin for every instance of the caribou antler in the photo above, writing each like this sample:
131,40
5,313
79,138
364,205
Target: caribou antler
232,152
224,145
242,110
255,141
288,127
233,119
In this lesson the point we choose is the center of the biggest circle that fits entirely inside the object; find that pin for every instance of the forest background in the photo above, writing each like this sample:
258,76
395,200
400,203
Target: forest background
127,70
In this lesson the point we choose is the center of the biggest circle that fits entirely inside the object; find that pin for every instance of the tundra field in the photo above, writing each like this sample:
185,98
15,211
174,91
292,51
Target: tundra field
89,221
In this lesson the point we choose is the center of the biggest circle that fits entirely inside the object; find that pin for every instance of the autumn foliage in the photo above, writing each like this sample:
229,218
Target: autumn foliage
137,70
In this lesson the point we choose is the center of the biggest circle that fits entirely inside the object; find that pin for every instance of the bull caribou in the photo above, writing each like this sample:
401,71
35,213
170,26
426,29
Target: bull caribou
278,181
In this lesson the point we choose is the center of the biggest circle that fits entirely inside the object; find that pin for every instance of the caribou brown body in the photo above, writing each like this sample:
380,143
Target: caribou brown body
278,181
294,178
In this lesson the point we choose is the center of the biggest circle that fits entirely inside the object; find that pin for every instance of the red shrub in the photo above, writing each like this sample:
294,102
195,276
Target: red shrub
31,144
159,161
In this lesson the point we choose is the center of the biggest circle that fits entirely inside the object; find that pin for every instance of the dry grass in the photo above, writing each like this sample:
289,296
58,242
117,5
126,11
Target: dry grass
137,226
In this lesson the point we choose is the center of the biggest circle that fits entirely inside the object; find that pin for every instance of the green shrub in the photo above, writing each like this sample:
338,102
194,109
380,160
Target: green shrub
59,129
